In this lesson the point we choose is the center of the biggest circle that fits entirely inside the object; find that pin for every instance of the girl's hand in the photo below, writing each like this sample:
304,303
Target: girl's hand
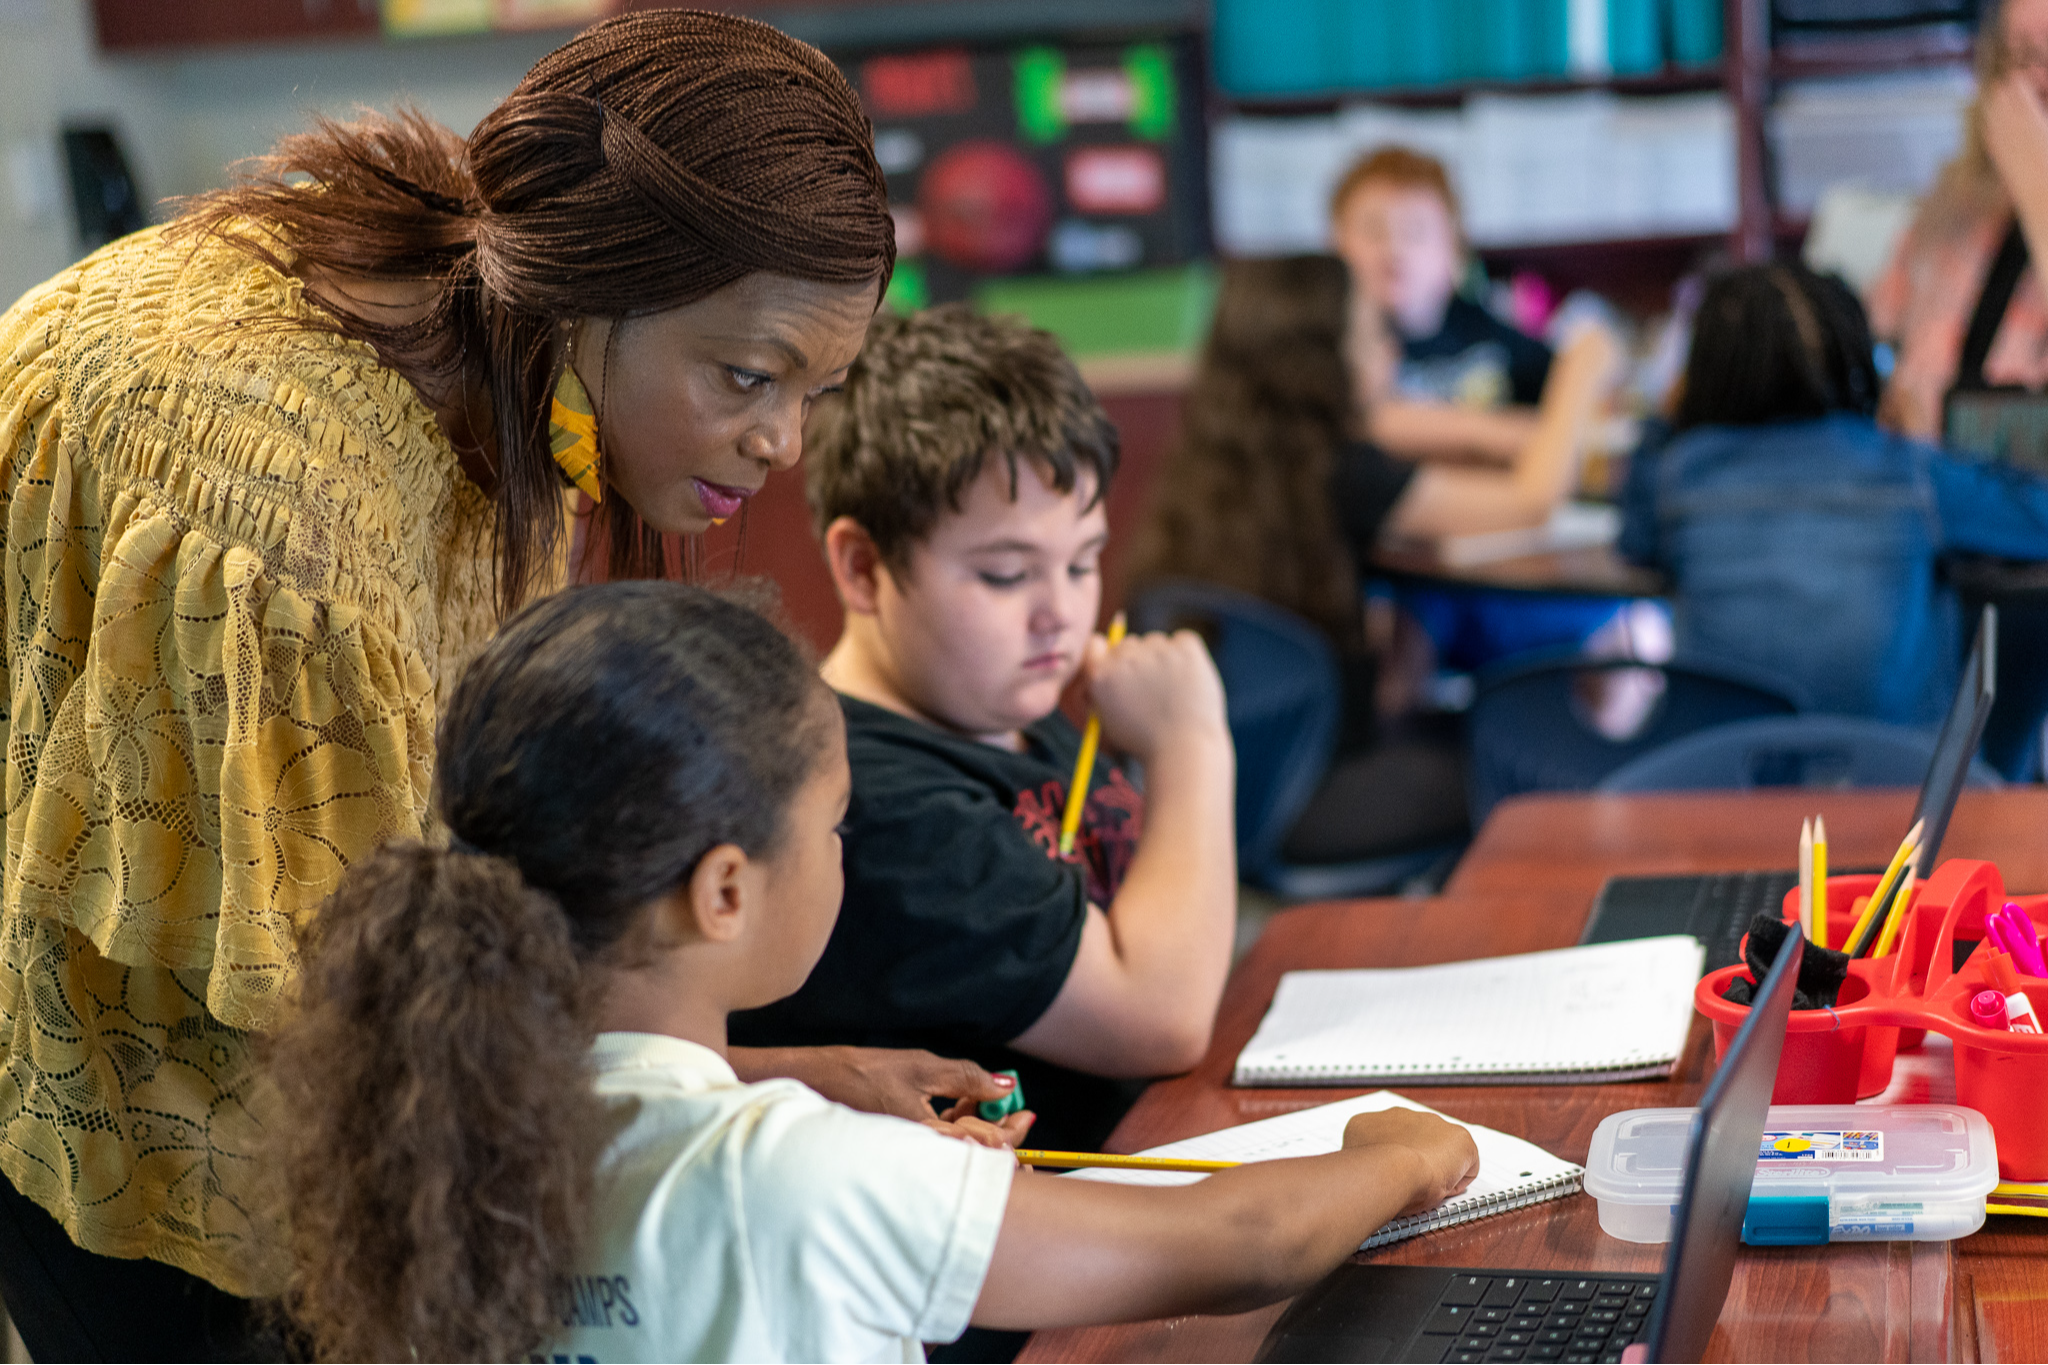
1003,1135
1446,1157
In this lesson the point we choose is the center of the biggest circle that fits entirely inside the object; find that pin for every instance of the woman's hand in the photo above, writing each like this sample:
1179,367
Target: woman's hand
879,1080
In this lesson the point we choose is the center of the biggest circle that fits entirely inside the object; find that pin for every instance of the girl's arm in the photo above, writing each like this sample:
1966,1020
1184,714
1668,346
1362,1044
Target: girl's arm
1443,501
1439,431
1075,1251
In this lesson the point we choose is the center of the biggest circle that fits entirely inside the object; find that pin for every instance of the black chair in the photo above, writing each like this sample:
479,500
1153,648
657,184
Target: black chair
1790,751
1284,696
1550,724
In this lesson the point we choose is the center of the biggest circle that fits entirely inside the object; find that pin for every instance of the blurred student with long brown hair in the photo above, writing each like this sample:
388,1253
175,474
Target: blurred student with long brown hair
1274,490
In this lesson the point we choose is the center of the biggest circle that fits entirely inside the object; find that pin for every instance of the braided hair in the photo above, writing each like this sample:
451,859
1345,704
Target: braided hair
648,162
1777,343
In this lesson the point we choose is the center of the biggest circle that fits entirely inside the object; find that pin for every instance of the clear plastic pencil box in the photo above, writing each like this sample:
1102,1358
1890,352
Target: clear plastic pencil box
1825,1173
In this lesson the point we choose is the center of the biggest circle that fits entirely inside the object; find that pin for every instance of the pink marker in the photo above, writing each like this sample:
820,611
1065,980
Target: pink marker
1987,1008
2026,949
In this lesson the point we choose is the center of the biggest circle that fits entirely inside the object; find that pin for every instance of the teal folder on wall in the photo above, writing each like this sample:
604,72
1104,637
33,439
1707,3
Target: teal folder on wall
1274,47
1698,30
1635,41
1363,44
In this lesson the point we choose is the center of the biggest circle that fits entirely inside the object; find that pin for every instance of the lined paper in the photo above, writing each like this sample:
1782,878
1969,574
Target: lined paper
1607,1011
1512,1172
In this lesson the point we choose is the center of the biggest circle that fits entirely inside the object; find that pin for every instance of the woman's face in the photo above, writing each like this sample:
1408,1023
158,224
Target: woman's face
697,405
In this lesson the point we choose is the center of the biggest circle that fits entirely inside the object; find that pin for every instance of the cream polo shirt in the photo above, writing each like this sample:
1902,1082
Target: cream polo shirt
764,1222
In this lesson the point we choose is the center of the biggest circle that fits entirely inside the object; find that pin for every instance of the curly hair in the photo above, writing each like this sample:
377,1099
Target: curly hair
1244,497
435,1135
933,396
646,163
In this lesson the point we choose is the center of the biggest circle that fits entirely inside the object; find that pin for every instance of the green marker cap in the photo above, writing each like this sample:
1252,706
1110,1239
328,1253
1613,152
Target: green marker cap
995,1110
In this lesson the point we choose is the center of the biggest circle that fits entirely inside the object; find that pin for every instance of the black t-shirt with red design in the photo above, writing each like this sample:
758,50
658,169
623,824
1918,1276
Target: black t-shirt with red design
961,920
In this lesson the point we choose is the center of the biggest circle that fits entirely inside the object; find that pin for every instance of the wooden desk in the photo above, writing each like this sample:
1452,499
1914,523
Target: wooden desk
1983,1298
1557,847
1594,571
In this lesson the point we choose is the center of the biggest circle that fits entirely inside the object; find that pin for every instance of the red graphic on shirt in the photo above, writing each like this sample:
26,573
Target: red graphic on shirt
1111,821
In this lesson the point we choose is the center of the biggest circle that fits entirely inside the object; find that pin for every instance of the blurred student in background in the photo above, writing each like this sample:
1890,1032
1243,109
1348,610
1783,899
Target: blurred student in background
1394,220
1442,378
1275,489
1991,200
1800,537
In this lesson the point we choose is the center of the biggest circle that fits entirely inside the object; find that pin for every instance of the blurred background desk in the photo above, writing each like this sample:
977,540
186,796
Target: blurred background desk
1557,848
1524,886
1591,571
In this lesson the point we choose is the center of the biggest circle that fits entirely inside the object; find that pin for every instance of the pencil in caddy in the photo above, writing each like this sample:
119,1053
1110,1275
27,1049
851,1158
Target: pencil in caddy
1839,1054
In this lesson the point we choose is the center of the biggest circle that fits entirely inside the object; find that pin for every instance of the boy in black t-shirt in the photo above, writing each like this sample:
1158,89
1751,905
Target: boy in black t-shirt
958,484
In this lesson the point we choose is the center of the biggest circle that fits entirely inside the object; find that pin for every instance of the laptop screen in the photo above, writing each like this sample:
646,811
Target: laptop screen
1961,731
1720,1166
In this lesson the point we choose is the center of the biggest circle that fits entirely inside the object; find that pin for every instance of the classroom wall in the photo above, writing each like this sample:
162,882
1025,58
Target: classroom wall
185,114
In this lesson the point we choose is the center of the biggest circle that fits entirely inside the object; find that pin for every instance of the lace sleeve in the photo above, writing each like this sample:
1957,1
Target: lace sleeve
211,750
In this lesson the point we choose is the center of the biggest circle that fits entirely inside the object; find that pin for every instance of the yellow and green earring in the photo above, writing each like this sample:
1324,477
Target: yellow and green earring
572,434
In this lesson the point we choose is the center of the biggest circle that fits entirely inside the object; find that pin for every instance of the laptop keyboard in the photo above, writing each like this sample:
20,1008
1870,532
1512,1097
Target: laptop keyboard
1714,907
1729,902
1526,1317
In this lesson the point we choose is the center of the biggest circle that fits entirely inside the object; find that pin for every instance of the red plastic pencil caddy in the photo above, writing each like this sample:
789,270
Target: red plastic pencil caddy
1834,1056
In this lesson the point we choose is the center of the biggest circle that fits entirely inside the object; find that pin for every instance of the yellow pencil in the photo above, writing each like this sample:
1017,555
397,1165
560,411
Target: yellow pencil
1081,1160
1806,878
1820,882
1084,766
1895,921
1884,886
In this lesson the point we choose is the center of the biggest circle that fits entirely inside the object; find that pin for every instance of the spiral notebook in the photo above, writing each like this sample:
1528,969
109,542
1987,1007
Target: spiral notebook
1602,1012
1512,1173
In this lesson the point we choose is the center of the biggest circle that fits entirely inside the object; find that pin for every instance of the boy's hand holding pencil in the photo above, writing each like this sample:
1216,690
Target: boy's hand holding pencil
1152,691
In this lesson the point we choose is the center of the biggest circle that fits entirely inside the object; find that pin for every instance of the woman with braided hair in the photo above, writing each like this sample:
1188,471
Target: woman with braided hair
272,474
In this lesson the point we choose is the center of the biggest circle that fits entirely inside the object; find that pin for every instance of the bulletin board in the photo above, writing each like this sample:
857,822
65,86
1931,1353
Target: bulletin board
1066,158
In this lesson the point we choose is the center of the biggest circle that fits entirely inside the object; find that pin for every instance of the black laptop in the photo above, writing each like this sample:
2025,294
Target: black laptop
1384,1312
1716,907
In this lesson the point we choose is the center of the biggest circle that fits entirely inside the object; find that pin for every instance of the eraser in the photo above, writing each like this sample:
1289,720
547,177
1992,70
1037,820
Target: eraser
995,1110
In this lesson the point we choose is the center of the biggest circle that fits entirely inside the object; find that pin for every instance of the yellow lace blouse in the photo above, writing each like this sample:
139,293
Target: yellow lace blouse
240,562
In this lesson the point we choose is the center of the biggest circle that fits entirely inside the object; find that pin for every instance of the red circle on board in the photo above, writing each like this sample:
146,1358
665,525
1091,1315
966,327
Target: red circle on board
986,207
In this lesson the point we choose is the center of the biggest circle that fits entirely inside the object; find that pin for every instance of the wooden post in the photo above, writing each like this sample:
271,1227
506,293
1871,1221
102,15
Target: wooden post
1748,77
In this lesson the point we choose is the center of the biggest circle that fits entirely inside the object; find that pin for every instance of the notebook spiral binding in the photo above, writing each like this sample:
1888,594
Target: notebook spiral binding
1458,1211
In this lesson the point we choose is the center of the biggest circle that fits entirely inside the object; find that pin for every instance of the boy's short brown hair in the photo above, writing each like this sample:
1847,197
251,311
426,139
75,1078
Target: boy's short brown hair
1402,167
934,394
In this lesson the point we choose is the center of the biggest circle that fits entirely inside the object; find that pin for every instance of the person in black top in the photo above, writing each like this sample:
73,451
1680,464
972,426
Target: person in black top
1274,488
1443,378
1472,358
958,483
1394,219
